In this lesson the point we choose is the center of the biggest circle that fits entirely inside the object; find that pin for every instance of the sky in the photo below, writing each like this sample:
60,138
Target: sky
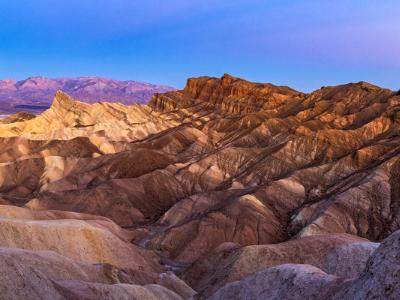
305,44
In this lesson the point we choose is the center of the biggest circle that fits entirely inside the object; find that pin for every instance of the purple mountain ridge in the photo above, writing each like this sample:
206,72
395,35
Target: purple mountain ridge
35,94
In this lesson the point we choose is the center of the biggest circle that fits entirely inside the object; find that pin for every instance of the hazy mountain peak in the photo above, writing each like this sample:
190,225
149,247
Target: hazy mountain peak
38,92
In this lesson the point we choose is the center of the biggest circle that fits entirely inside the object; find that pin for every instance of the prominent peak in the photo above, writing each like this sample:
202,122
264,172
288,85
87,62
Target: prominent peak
63,100
62,96
228,77
227,93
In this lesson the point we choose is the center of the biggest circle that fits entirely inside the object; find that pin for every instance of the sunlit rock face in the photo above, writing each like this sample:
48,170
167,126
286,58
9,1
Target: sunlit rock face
231,185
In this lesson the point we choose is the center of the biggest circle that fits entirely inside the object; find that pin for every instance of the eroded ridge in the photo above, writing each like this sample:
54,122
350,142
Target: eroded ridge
217,182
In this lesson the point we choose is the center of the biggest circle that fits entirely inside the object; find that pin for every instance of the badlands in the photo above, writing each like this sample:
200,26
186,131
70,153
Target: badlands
227,189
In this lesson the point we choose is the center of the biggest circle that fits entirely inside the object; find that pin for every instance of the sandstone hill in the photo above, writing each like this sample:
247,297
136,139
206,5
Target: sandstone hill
35,94
225,190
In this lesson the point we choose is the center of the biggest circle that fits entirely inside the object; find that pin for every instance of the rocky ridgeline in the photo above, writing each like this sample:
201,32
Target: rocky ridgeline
227,189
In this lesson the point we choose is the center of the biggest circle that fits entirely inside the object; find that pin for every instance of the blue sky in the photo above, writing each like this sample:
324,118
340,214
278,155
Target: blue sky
304,44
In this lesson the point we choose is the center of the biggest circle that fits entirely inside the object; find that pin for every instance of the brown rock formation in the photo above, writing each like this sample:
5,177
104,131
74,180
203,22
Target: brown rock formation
379,280
341,255
220,180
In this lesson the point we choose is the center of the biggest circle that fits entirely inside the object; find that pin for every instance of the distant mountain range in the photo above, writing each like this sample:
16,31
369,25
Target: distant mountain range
35,94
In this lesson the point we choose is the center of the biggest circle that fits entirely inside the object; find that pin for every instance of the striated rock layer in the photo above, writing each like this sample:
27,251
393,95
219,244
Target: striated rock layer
241,189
